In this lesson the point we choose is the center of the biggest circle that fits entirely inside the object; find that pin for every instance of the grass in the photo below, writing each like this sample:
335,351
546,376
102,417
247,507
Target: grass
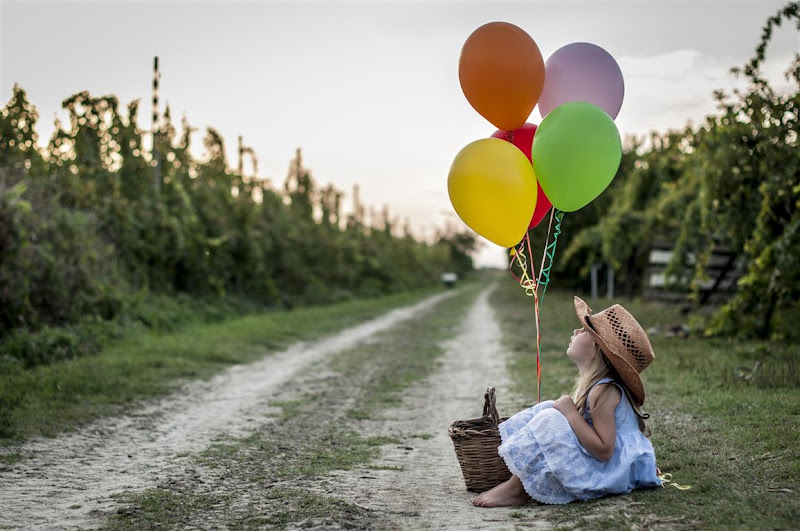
155,508
258,481
725,419
398,468
133,314
289,504
48,400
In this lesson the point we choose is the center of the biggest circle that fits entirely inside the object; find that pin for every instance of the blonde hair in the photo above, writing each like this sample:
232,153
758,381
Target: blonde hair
602,368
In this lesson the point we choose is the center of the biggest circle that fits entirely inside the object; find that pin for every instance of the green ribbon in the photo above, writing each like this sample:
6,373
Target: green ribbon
550,252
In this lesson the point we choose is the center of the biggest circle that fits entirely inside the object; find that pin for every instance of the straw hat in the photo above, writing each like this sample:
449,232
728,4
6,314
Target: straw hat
622,340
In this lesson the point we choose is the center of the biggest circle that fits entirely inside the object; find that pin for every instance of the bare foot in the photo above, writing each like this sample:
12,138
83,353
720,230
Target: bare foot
507,493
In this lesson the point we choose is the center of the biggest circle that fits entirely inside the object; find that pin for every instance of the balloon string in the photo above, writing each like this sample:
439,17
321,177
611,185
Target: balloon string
546,239
531,289
538,325
550,252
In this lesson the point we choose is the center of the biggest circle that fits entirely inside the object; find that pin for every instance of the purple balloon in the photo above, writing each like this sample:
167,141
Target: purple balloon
582,72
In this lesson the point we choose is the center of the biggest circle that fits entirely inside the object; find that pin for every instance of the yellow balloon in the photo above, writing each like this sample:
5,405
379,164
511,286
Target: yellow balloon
493,190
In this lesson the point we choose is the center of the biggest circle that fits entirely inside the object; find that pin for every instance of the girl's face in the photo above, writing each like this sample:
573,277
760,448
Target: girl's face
580,346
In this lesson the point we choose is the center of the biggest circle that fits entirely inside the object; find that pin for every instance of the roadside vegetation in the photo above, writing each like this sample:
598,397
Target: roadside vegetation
50,399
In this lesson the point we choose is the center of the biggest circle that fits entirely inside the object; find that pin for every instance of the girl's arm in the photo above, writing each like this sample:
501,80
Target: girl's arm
598,441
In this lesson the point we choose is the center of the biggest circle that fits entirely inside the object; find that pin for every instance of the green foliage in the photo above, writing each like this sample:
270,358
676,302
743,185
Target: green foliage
11,395
90,333
93,220
734,181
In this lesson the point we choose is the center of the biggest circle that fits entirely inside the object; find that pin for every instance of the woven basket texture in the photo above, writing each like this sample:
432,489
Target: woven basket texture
476,442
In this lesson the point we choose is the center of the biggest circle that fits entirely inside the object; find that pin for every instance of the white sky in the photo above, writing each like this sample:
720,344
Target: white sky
368,90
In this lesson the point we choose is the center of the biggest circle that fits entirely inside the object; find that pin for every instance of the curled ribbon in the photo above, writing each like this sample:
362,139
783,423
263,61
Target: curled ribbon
524,280
550,252
531,289
667,481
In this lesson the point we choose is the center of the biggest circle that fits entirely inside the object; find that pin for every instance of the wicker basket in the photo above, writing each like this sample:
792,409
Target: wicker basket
476,442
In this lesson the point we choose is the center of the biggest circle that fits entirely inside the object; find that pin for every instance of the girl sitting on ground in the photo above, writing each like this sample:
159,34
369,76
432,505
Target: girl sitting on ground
595,442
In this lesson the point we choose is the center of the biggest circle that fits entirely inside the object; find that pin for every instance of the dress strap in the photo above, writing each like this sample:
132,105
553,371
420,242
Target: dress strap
602,381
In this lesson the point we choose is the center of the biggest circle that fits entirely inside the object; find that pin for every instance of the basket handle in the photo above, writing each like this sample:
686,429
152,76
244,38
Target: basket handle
490,406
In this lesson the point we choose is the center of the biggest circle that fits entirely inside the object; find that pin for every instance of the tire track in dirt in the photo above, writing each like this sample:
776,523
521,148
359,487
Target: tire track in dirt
422,486
70,480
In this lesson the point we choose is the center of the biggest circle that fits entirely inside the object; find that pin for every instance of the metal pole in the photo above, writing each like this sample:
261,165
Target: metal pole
595,267
610,282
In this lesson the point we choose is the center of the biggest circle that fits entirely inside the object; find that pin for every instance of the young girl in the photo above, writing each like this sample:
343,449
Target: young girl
594,442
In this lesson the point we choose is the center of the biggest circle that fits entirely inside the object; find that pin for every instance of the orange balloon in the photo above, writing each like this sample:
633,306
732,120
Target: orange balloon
502,74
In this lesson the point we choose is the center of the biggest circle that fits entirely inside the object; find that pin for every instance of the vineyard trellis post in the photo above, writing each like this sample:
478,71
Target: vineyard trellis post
154,128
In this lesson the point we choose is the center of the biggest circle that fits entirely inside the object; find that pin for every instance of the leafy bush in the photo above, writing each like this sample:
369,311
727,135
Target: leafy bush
733,181
97,234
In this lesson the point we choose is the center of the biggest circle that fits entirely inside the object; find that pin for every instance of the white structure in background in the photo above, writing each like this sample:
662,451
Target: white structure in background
449,279
722,272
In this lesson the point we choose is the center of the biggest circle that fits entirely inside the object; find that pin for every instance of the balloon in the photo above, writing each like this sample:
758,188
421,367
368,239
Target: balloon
542,207
493,190
523,139
502,74
582,72
576,153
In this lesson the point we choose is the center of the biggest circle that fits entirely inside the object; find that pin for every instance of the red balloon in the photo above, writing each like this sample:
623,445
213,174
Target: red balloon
523,139
542,208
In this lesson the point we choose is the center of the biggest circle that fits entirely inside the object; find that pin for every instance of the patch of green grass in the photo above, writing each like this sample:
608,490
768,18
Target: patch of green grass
358,414
380,440
155,508
290,407
51,399
398,468
11,458
735,440
293,505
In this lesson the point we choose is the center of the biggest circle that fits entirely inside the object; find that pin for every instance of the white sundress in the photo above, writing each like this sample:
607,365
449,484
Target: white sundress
542,450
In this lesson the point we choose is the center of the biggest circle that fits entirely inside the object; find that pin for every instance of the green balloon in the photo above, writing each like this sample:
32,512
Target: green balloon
576,153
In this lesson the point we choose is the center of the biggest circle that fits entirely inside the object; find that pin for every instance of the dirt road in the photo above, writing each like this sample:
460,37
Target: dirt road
72,482
429,492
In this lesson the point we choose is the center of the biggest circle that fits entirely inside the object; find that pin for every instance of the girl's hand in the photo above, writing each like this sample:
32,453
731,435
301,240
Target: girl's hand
565,405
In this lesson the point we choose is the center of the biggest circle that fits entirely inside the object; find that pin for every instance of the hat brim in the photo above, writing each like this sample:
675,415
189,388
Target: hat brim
581,308
625,370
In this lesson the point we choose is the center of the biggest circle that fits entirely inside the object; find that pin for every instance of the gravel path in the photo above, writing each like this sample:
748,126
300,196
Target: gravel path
422,486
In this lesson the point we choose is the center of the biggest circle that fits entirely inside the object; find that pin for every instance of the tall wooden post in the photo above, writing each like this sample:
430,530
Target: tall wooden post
358,210
155,129
241,157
